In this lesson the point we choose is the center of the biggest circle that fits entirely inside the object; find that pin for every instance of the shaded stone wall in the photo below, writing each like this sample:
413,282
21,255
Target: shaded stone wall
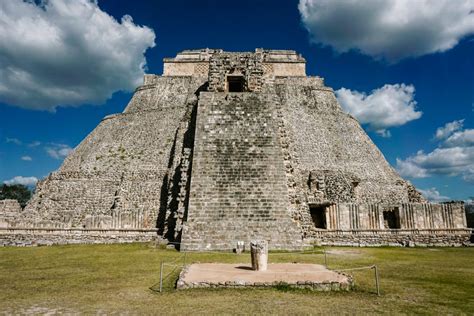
238,183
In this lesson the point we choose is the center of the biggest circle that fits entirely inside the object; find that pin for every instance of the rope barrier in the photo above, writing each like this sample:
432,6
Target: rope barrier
303,274
353,269
322,252
233,253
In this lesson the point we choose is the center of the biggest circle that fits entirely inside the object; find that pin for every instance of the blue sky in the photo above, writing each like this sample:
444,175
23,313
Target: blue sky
404,69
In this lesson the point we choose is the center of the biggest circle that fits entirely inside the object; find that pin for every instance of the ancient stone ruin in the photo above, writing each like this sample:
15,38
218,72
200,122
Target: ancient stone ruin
225,148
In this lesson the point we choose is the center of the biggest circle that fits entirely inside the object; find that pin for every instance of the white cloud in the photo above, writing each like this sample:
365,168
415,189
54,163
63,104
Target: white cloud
34,144
28,181
58,151
384,133
408,168
448,129
433,195
463,139
448,161
385,107
26,158
389,29
454,156
67,53
15,141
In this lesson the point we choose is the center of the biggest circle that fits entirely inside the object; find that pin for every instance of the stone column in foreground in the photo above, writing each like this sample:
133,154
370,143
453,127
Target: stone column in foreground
259,253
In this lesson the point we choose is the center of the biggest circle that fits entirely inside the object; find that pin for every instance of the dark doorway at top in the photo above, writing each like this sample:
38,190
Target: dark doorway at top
235,83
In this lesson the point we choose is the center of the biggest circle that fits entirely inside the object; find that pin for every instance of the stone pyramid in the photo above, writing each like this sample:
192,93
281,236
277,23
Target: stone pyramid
227,147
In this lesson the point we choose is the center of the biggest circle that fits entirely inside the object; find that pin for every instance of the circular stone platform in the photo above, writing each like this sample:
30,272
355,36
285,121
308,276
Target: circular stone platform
310,276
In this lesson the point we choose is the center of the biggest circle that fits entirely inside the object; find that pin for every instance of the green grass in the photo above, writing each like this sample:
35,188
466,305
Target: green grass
118,278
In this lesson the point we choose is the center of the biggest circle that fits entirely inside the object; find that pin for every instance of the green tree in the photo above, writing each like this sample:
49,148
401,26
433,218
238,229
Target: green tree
17,192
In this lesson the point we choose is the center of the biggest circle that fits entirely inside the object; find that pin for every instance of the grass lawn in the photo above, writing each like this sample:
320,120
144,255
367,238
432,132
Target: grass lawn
118,278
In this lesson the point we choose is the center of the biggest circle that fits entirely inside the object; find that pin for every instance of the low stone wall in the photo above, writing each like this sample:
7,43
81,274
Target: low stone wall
318,286
309,285
45,237
393,237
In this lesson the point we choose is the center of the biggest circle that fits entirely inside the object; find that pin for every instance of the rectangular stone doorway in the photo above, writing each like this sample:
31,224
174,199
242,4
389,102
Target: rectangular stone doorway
318,214
391,218
235,83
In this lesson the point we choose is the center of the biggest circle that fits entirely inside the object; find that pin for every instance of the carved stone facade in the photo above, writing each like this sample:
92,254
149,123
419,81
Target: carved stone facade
225,148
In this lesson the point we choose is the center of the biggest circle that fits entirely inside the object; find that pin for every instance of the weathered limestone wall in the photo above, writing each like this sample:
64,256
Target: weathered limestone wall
329,157
285,69
247,65
331,145
275,63
349,216
9,210
9,206
51,236
122,174
238,183
186,68
397,238
421,224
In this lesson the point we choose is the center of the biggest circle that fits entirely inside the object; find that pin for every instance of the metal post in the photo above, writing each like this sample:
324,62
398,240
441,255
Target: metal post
377,280
161,277
325,259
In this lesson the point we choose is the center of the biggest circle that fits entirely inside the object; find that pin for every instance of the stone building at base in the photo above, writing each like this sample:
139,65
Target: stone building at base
227,147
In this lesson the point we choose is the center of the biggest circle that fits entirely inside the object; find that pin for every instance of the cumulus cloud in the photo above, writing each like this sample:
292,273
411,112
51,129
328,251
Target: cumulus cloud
385,107
13,140
463,139
34,144
58,151
433,195
447,161
66,53
26,158
448,129
28,181
389,29
454,156
408,168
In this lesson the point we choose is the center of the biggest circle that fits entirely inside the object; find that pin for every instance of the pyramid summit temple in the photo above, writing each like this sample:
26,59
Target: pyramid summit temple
228,147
